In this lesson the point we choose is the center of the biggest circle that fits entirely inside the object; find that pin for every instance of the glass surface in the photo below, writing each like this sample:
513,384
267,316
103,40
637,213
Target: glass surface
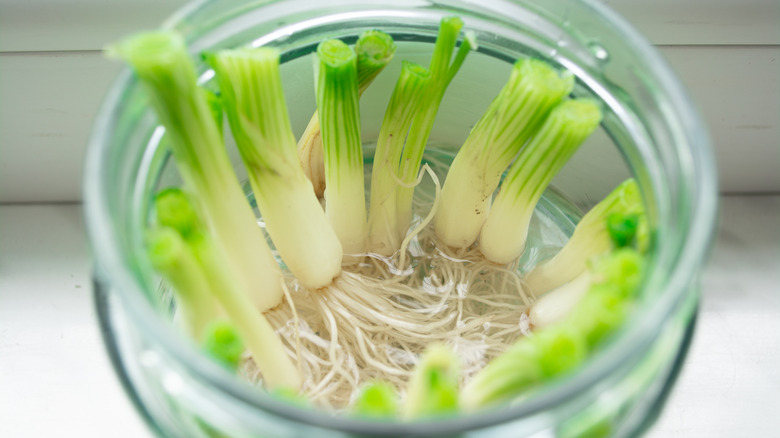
650,130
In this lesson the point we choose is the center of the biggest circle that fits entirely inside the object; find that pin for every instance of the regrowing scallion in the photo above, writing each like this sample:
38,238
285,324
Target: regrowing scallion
434,386
511,119
443,69
337,103
374,51
177,215
505,229
612,222
376,400
253,99
345,325
405,129
170,256
222,342
383,209
162,63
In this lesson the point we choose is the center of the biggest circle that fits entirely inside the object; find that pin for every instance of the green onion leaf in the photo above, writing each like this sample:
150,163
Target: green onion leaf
162,63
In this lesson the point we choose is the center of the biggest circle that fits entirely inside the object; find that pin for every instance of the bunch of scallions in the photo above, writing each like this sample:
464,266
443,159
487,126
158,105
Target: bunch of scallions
397,304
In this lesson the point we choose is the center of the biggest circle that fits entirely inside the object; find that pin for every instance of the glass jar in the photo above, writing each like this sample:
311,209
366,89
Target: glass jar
650,130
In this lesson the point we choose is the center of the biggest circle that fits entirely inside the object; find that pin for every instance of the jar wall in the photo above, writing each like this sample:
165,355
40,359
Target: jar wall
649,131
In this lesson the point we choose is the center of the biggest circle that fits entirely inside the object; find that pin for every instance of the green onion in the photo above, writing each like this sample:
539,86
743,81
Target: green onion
592,237
376,400
374,51
596,300
261,340
171,257
433,388
383,209
337,105
555,305
215,105
223,343
162,63
505,230
442,73
504,378
403,136
531,361
251,87
514,115
616,280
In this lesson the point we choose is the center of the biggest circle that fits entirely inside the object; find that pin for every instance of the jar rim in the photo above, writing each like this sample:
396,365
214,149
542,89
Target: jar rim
636,337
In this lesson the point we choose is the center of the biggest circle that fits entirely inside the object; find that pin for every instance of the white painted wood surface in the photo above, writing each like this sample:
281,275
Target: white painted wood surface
53,77
738,92
56,379
66,25
703,22
46,25
48,101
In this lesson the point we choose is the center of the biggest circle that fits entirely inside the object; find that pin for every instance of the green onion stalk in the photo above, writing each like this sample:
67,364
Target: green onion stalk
616,278
222,342
175,213
251,87
404,102
555,305
374,51
623,230
433,387
443,70
401,151
512,117
614,221
339,113
215,105
196,307
558,348
165,68
505,230
376,400
527,364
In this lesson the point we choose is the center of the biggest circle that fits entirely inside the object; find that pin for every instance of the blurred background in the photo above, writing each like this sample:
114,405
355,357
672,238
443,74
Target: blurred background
54,76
